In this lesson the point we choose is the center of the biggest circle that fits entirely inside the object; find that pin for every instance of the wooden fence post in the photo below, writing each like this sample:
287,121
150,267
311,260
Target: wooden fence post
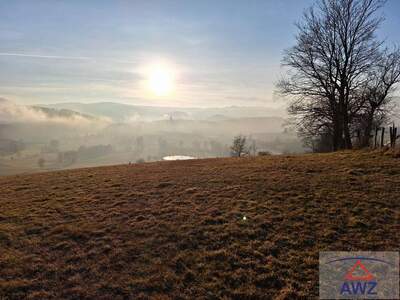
391,130
376,136
393,136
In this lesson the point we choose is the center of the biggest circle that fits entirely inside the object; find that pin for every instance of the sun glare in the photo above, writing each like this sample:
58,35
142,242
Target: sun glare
161,80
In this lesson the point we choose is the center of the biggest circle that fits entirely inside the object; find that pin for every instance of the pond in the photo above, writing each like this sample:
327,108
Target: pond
178,157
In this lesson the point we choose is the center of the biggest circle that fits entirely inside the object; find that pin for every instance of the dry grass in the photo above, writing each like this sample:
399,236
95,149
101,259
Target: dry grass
175,230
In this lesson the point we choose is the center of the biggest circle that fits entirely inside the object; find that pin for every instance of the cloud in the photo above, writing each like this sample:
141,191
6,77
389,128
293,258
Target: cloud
45,56
67,57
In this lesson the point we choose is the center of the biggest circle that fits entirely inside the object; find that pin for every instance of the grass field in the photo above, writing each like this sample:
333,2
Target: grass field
28,164
176,230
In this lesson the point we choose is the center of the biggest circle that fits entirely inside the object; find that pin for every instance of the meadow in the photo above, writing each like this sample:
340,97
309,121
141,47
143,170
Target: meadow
248,228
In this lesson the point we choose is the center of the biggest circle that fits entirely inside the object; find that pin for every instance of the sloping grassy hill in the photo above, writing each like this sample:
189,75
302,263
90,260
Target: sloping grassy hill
175,230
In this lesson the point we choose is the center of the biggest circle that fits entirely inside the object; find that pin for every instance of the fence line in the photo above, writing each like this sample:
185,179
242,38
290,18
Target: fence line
392,137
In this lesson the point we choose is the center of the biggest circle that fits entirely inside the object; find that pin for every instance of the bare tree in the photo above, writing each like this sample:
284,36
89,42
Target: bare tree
239,146
376,96
335,50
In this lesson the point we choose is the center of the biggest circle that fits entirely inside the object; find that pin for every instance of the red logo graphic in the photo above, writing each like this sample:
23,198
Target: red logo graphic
359,266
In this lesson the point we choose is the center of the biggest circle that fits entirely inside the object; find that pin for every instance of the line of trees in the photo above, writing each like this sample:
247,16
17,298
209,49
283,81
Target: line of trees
341,78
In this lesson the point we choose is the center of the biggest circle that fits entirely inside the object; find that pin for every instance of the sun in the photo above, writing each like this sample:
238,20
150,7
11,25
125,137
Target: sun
161,80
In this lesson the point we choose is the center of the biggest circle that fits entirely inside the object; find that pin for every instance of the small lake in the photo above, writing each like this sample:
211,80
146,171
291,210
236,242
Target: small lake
178,157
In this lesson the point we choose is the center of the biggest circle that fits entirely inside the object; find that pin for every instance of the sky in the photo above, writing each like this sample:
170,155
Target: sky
214,53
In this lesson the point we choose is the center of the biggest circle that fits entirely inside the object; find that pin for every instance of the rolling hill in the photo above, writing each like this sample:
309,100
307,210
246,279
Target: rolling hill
11,112
176,230
119,112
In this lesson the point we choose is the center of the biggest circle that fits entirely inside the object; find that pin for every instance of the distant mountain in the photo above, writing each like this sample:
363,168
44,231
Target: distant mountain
119,112
238,112
218,128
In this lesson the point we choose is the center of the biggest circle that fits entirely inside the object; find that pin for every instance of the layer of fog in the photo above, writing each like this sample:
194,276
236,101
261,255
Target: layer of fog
11,112
52,138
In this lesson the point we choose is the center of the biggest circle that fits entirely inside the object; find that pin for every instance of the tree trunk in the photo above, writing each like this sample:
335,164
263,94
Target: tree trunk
341,115
347,136
367,130
338,143
340,127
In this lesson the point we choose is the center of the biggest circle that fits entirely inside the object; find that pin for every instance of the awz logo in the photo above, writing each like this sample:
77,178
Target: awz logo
359,275
359,281
358,284
358,288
